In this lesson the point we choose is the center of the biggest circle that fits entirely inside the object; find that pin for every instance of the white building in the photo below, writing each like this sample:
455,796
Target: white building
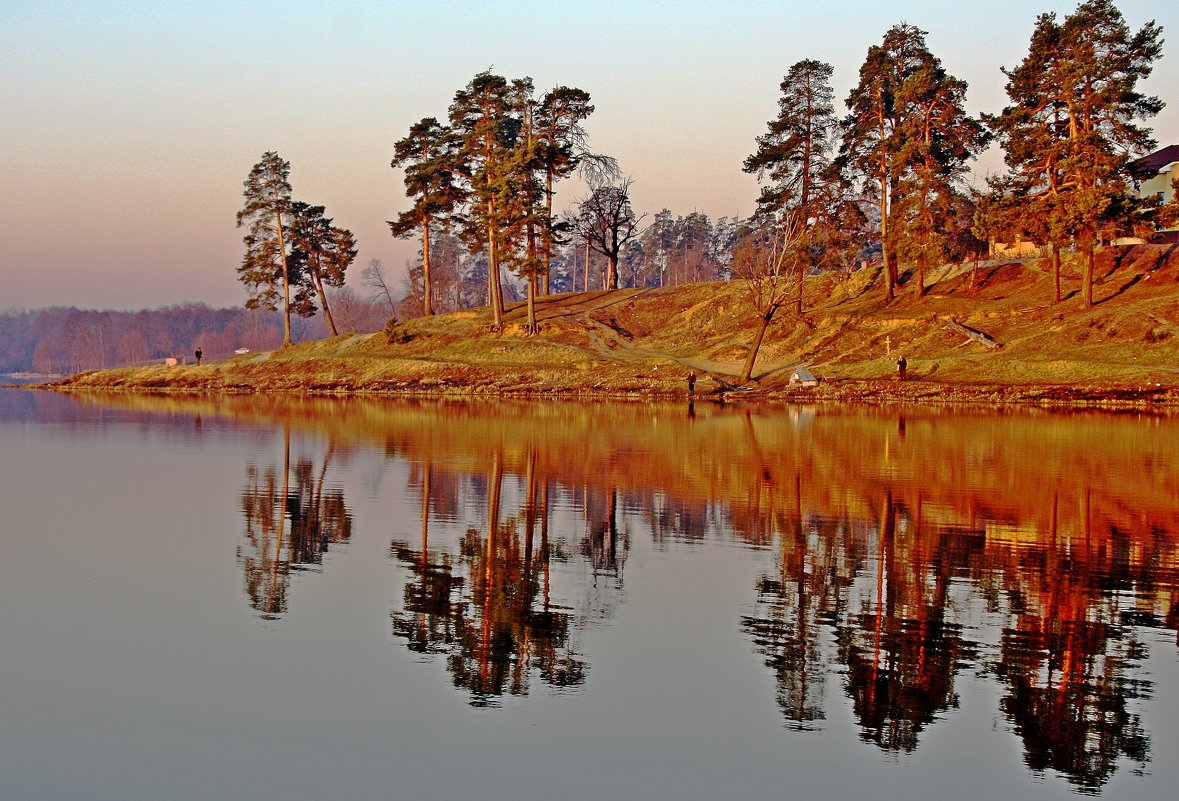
1156,172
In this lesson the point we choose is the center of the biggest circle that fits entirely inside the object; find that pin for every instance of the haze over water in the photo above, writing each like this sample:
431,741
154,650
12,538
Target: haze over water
283,598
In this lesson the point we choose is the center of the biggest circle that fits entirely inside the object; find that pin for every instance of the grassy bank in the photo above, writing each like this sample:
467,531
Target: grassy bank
1123,352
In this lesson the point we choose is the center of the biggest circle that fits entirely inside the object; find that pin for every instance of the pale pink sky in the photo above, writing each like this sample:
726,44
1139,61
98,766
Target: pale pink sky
128,127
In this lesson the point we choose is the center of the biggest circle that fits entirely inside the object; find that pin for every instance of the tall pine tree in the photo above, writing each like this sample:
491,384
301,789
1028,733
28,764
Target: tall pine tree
481,118
908,138
938,139
1073,124
320,255
794,163
267,212
562,147
427,154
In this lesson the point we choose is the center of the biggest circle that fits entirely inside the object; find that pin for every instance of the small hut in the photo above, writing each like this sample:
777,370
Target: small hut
803,377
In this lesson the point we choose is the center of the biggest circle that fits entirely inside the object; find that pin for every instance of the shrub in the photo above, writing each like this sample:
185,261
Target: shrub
395,333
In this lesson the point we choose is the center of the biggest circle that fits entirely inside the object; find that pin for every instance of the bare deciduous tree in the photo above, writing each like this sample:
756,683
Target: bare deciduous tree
607,222
374,278
767,260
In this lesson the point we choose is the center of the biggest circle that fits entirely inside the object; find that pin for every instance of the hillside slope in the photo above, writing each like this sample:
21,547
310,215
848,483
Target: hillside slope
1124,349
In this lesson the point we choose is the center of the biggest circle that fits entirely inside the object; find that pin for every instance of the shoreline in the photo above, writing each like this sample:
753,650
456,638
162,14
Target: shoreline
990,339
878,392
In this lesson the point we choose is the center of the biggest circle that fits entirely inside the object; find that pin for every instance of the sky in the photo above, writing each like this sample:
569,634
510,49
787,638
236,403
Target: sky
127,128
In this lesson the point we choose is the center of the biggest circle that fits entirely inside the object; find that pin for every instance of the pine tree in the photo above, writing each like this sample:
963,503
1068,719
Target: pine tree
872,136
794,162
1073,124
563,148
267,211
481,119
427,154
908,138
320,255
522,195
938,139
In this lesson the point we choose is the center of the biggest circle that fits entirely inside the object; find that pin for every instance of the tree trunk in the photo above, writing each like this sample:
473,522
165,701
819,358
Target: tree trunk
286,286
1056,272
798,298
547,237
495,297
532,278
921,276
327,310
1088,278
532,325
890,276
747,370
890,273
612,273
427,291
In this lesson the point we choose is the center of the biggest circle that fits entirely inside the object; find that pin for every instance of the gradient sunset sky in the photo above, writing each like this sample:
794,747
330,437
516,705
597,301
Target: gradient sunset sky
127,128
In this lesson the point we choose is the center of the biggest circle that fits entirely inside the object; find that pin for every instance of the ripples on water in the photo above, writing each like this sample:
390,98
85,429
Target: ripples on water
900,559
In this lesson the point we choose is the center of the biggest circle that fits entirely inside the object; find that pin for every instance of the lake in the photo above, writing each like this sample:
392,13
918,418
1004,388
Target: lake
283,598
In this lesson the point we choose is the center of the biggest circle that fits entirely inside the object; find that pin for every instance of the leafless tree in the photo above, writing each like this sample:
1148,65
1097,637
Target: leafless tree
607,222
374,277
767,260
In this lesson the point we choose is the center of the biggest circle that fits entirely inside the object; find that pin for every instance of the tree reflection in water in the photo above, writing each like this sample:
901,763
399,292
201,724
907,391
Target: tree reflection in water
883,591
818,561
903,652
1066,658
288,528
912,556
496,623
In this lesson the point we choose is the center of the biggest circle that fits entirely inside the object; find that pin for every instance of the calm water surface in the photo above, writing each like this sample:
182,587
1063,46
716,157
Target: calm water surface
283,599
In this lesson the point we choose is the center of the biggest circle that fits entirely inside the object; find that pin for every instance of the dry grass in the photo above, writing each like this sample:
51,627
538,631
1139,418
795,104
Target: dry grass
1123,351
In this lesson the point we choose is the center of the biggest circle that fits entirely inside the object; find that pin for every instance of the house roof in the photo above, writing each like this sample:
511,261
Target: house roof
1156,162
803,374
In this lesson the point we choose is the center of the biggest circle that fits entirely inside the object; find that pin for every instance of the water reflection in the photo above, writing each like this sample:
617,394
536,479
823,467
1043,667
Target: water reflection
1067,658
488,609
291,518
818,559
909,596
912,555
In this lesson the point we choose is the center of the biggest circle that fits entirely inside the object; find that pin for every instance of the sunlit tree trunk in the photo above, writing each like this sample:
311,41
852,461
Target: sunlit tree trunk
547,244
531,279
1087,279
282,513
327,310
1056,272
495,295
886,255
286,284
763,324
427,284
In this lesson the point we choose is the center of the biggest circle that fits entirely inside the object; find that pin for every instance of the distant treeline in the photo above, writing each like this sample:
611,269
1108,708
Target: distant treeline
67,340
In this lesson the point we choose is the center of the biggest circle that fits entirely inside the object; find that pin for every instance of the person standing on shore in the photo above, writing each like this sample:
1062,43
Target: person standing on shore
902,367
199,353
